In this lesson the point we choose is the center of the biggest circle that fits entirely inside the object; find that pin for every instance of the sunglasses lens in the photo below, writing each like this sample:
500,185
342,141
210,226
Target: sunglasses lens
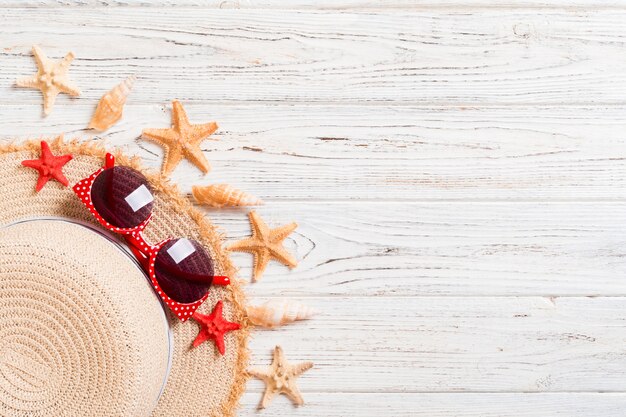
122,196
184,270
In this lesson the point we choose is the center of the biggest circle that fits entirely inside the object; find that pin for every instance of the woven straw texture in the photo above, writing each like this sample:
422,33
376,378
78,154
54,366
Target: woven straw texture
201,383
69,345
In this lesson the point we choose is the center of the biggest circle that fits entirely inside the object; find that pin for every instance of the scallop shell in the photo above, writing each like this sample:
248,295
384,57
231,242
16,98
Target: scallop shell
278,312
111,105
221,195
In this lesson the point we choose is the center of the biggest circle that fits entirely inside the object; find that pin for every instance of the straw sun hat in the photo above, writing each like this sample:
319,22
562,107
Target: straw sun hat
82,333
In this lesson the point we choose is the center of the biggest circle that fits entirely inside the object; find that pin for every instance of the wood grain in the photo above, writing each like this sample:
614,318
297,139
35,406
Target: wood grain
462,57
317,4
457,169
486,249
450,344
445,405
383,153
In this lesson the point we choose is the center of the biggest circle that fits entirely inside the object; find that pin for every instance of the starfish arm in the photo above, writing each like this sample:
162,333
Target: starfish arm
32,163
203,334
67,87
28,82
49,97
171,159
293,393
202,337
62,160
280,254
217,310
249,244
58,175
258,226
279,356
301,368
43,63
261,259
164,137
65,63
280,233
268,396
257,373
172,150
196,157
41,181
219,343
46,153
223,326
202,132
179,116
229,326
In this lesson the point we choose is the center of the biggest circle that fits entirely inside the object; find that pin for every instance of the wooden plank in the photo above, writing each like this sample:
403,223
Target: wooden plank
430,57
431,249
449,344
332,404
316,4
379,348
386,153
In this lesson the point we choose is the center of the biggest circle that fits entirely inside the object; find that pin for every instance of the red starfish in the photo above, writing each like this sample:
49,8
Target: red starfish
213,326
49,166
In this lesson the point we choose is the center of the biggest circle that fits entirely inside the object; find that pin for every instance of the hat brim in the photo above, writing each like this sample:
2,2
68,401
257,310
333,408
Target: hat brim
201,382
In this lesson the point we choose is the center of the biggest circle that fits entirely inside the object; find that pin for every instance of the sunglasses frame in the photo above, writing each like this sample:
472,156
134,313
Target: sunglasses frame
144,252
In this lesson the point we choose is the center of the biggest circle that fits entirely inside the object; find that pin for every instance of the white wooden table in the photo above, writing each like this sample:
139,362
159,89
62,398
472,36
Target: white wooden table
458,169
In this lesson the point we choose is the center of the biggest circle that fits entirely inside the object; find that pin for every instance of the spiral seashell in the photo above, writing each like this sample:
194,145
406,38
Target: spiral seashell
223,195
277,313
111,105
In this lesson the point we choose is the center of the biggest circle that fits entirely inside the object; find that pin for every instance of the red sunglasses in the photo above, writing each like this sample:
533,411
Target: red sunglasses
181,270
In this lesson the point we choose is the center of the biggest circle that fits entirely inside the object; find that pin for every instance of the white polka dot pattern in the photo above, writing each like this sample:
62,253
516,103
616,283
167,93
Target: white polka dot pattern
193,370
135,238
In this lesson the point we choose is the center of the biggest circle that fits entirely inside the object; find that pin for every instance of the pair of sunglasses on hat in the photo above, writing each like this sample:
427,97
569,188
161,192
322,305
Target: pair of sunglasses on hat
180,269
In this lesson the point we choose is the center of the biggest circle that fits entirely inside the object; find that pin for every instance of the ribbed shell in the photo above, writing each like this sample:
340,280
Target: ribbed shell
277,313
223,195
111,105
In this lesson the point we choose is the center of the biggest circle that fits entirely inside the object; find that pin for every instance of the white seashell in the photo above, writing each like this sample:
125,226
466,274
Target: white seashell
278,312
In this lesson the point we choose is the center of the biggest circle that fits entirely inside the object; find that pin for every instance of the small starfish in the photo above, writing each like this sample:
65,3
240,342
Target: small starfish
213,326
182,140
51,78
49,166
280,378
265,244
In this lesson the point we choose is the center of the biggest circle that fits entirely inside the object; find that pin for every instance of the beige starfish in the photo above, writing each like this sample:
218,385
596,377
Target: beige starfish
265,244
51,78
182,140
280,378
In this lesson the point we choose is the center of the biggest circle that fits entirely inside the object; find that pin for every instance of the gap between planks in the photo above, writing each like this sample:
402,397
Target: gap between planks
510,57
444,405
325,5
372,154
439,249
461,344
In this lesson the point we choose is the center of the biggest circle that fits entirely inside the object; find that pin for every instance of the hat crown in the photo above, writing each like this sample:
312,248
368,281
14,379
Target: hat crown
81,331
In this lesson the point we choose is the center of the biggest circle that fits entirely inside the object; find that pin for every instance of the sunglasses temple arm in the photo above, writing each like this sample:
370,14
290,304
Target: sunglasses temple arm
109,161
221,280
138,246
